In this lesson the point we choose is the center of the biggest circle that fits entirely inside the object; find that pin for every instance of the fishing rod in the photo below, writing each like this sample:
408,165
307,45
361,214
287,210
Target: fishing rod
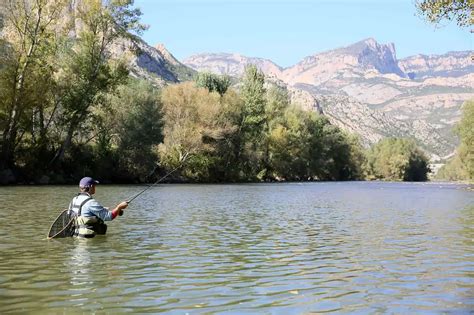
183,159
62,225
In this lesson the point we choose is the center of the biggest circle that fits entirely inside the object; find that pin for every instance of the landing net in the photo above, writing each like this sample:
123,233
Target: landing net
63,226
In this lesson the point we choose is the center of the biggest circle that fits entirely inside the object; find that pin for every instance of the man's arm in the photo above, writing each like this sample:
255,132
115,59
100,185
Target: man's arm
103,213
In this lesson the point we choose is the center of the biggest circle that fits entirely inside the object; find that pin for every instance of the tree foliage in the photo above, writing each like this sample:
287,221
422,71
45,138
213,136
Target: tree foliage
397,159
252,136
213,82
88,71
198,124
27,75
132,123
465,131
55,71
461,166
437,10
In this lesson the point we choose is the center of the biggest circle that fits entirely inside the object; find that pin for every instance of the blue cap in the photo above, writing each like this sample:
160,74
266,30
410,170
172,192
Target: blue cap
87,182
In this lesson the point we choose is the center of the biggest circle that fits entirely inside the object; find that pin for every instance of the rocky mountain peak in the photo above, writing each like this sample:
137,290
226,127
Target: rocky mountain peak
167,55
372,55
232,64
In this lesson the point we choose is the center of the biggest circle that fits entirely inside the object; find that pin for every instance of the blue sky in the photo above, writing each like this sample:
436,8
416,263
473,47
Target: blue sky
287,31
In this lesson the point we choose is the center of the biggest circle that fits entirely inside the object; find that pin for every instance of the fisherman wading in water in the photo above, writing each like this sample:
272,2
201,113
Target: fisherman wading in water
90,214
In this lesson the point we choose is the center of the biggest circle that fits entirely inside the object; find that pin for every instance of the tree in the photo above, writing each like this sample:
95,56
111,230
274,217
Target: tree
252,125
213,82
197,124
130,123
397,159
437,10
289,145
88,71
29,35
461,166
253,96
305,146
342,156
277,102
465,131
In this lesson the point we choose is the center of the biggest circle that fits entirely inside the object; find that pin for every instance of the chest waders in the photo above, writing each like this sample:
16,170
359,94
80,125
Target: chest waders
87,227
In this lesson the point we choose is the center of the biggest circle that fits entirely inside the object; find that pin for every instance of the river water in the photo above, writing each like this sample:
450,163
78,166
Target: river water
297,248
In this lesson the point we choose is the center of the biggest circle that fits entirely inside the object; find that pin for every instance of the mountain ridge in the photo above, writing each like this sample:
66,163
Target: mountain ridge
422,94
188,60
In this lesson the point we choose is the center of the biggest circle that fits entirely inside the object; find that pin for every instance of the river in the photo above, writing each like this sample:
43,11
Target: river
292,248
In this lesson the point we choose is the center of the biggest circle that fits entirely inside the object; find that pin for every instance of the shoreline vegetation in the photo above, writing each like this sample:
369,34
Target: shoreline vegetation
68,109
462,184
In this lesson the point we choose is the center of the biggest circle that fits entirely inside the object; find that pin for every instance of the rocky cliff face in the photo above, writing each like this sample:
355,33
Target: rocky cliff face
155,64
452,64
373,56
230,64
348,62
365,89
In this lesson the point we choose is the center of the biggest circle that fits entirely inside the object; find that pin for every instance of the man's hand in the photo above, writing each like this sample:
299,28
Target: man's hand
121,206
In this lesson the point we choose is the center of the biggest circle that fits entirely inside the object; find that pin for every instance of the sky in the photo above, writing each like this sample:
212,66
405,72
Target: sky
286,31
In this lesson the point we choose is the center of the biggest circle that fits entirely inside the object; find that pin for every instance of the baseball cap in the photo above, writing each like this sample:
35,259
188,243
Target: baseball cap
87,182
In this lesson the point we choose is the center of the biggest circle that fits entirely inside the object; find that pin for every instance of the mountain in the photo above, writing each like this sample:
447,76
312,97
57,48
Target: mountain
365,89
452,64
349,62
155,64
230,64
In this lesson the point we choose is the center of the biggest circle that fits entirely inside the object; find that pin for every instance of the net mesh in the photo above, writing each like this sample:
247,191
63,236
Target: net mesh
63,226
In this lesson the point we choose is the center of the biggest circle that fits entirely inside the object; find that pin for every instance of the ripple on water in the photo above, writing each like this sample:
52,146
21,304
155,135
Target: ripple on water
284,248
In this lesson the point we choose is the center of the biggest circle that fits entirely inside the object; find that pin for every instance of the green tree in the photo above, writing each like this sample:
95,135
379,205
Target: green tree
397,159
253,122
341,157
461,166
197,124
29,42
131,125
437,10
453,170
289,145
277,102
305,146
213,82
89,72
465,131
253,96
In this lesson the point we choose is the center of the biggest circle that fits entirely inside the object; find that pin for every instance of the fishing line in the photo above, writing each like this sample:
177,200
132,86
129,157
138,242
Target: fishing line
159,180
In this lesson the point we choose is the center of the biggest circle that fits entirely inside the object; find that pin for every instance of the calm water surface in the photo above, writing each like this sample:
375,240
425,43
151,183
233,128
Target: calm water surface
256,248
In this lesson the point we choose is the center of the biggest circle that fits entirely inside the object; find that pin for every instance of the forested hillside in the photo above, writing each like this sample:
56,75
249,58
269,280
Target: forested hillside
82,94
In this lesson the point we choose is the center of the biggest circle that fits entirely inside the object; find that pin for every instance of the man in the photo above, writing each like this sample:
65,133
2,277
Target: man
90,214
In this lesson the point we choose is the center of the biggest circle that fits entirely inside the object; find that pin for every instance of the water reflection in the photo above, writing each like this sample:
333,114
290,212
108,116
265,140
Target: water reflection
80,264
466,233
